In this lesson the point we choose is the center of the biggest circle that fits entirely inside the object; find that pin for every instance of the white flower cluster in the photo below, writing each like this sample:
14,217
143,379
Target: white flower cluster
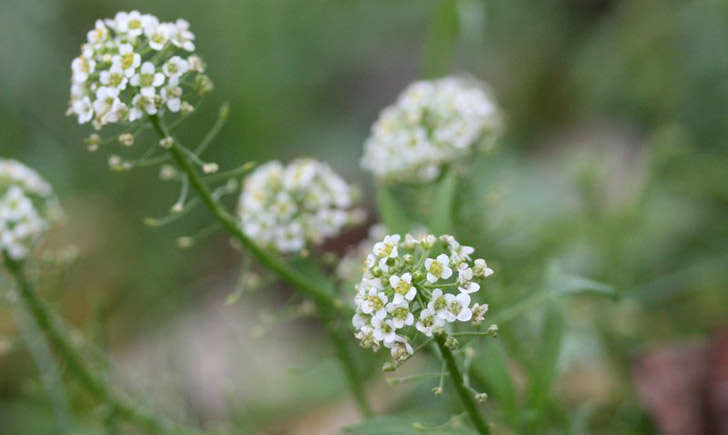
431,123
26,204
286,207
133,65
416,285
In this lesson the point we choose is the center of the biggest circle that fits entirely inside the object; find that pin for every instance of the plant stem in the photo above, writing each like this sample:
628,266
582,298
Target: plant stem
96,385
323,298
350,369
465,395
327,302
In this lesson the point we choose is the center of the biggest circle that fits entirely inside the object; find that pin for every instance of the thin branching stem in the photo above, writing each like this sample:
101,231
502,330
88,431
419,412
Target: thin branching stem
95,384
466,396
327,302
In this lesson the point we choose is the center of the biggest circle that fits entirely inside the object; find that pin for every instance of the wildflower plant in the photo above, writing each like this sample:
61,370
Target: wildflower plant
136,72
433,123
27,205
415,287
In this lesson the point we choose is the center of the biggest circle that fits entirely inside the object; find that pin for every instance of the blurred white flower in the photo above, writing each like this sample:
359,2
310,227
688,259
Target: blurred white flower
27,205
289,207
432,123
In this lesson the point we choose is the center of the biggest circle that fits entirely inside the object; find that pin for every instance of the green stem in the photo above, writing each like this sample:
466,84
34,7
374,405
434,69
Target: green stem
96,385
466,396
323,298
326,301
350,369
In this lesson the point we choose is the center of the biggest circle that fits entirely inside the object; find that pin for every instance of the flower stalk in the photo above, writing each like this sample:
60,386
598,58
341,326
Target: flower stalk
327,302
96,385
466,396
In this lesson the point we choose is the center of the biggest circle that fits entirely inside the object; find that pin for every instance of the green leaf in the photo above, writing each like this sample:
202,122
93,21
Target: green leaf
440,219
490,368
543,372
442,39
313,271
567,284
391,212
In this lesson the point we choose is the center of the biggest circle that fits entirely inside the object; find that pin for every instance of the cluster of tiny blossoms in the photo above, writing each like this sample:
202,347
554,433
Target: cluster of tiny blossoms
286,207
133,65
26,204
416,285
432,123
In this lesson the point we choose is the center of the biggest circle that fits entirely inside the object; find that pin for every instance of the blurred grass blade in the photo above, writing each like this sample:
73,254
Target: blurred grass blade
313,271
440,219
567,284
490,368
391,211
442,39
544,372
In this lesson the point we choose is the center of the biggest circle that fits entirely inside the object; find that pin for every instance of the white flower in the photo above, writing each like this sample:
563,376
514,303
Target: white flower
438,268
400,349
384,330
403,288
195,63
98,34
387,247
481,269
82,67
470,287
395,276
127,60
133,54
171,95
429,322
175,67
27,205
84,109
181,36
113,78
458,307
479,311
432,123
159,35
374,303
148,79
105,98
438,303
400,314
287,207
141,105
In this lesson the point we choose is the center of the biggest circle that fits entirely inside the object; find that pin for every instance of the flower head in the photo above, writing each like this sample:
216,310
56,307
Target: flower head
288,207
27,204
410,289
432,123
133,65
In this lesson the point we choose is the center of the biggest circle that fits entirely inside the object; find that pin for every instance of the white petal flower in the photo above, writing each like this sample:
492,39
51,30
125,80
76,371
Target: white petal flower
84,109
429,322
438,268
27,205
301,196
175,67
135,49
396,274
432,123
481,269
400,314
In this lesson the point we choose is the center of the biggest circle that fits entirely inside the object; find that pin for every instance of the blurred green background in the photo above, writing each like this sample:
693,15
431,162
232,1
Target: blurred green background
614,166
